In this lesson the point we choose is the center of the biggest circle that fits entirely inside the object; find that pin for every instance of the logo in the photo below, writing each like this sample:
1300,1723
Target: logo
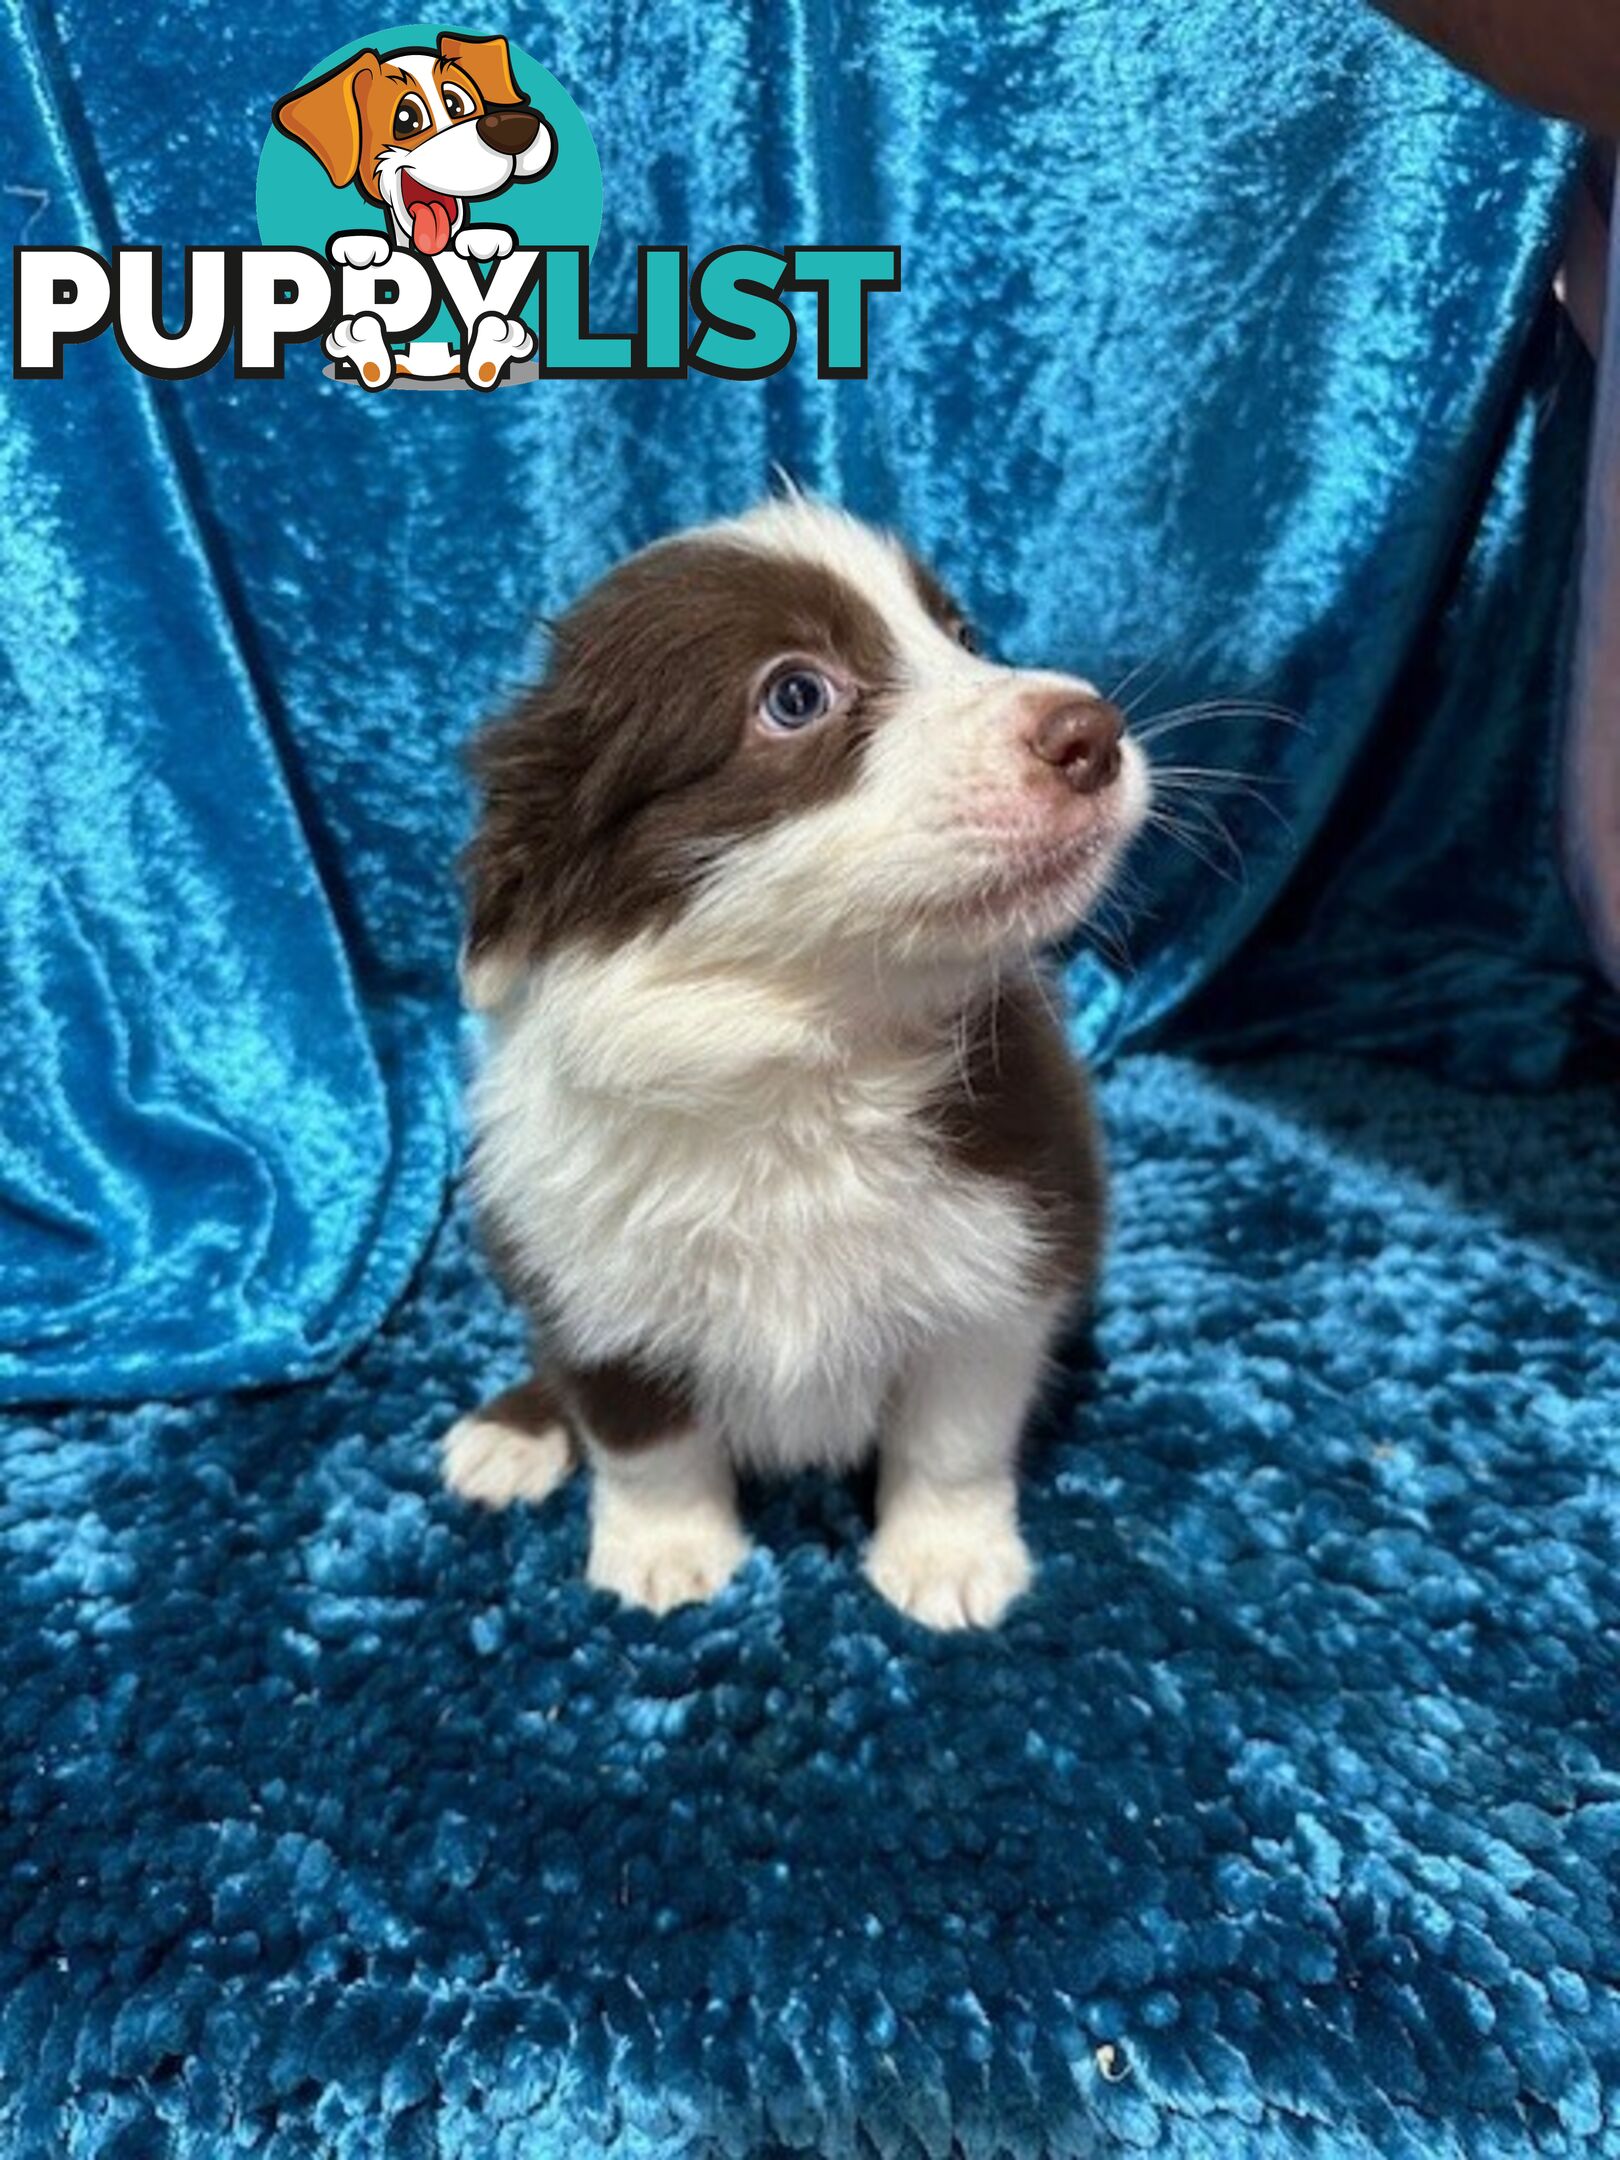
428,205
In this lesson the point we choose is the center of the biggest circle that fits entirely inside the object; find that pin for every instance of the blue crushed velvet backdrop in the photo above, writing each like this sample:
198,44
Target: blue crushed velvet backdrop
336,1822
1219,354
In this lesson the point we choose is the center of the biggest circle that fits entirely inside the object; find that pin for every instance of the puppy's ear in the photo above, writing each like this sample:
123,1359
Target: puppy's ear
494,869
325,116
488,60
530,846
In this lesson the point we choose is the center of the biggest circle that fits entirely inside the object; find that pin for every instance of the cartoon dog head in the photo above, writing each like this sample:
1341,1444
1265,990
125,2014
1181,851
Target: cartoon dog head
422,133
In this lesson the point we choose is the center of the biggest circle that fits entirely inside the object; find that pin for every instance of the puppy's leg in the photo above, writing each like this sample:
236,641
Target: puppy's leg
517,1447
359,339
948,1549
496,344
664,1528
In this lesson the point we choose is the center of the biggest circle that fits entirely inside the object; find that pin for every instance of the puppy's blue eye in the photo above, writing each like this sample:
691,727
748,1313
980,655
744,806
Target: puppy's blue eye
795,698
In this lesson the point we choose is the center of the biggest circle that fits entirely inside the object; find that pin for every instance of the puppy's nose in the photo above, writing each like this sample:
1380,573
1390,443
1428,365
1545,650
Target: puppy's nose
510,131
1079,737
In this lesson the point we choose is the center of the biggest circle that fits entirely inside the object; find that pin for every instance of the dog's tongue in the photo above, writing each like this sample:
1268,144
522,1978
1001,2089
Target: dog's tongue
430,224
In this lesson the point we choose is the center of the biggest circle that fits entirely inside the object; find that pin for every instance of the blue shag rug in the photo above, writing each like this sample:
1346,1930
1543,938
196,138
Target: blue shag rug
1283,1817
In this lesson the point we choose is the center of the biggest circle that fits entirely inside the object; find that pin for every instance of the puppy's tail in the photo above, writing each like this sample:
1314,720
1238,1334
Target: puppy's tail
517,1447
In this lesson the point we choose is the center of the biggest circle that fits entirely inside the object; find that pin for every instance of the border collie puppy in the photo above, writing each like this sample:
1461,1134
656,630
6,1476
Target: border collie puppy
777,1136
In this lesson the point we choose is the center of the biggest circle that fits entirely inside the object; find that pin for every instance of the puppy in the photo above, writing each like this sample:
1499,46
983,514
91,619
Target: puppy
777,1135
422,134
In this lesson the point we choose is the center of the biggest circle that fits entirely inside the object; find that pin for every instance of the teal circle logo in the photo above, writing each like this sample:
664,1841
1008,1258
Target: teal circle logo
439,143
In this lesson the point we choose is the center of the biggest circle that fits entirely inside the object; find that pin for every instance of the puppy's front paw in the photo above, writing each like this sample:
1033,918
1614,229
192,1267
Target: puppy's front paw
680,1563
359,339
484,243
950,1570
359,250
496,343
495,1465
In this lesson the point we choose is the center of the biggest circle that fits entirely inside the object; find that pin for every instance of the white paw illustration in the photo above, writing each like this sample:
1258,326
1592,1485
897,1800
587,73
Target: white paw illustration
497,342
680,1563
484,243
359,250
490,1463
950,1575
359,338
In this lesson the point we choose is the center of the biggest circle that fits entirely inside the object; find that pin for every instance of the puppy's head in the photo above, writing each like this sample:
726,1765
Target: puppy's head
774,739
422,133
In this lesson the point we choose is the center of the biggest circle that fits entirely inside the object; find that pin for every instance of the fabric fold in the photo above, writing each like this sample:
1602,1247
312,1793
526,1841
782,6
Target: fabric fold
1591,830
204,1180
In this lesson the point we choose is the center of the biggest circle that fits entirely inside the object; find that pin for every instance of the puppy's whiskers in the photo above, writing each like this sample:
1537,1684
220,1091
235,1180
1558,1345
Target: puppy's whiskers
1192,787
1107,938
1154,668
1207,710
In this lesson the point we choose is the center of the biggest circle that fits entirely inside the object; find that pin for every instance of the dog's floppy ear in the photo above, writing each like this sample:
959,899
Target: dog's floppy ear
325,116
488,60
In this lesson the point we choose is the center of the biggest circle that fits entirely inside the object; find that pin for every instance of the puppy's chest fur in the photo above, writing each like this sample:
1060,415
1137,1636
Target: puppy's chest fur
785,1241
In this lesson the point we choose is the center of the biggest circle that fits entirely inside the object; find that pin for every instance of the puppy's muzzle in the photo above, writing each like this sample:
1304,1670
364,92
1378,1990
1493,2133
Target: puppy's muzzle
1079,738
509,132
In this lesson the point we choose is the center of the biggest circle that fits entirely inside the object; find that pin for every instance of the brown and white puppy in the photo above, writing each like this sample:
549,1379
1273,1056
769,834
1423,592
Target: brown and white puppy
422,133
777,1134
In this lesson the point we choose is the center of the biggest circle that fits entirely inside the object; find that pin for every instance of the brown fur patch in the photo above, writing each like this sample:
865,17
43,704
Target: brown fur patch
1020,1110
624,1407
609,786
532,1407
619,1405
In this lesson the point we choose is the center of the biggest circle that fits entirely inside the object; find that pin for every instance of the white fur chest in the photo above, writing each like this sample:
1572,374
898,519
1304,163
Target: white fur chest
692,1181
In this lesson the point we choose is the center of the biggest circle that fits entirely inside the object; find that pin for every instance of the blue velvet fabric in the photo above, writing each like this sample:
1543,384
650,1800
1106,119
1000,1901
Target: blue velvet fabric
1219,355
1284,1816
